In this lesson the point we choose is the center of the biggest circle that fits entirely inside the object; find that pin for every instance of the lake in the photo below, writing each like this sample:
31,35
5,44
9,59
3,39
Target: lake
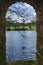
20,45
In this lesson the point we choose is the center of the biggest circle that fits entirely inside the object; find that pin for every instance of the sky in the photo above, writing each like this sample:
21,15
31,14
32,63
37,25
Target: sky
21,12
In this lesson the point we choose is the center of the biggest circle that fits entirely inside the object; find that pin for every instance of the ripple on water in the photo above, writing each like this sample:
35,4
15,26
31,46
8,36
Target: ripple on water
19,47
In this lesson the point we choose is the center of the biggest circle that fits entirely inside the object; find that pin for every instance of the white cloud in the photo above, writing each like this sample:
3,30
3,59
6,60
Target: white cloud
20,11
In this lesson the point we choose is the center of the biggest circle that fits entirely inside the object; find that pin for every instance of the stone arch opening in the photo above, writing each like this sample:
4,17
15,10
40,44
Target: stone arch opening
4,5
23,46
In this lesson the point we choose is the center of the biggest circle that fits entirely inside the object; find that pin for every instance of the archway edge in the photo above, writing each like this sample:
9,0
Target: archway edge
7,3
37,4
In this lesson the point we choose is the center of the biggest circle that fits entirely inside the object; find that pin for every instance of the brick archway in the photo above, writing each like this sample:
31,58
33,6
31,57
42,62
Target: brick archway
38,5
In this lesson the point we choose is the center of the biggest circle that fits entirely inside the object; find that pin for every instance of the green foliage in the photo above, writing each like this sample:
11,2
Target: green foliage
30,27
22,63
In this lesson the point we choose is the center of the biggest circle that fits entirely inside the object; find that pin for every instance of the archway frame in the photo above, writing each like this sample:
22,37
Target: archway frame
4,5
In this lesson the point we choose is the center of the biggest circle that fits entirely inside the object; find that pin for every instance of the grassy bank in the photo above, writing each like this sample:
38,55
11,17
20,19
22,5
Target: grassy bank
32,27
22,63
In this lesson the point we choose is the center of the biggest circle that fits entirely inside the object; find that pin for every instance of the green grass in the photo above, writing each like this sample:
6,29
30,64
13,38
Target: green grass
32,27
22,63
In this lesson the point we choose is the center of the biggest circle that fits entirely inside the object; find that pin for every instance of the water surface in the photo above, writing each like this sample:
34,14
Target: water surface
20,45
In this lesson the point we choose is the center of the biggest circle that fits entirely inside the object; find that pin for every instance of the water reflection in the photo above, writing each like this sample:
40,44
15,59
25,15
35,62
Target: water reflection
20,45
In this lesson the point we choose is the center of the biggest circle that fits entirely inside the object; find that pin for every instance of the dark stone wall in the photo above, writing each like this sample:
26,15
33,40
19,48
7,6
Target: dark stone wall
38,5
40,38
